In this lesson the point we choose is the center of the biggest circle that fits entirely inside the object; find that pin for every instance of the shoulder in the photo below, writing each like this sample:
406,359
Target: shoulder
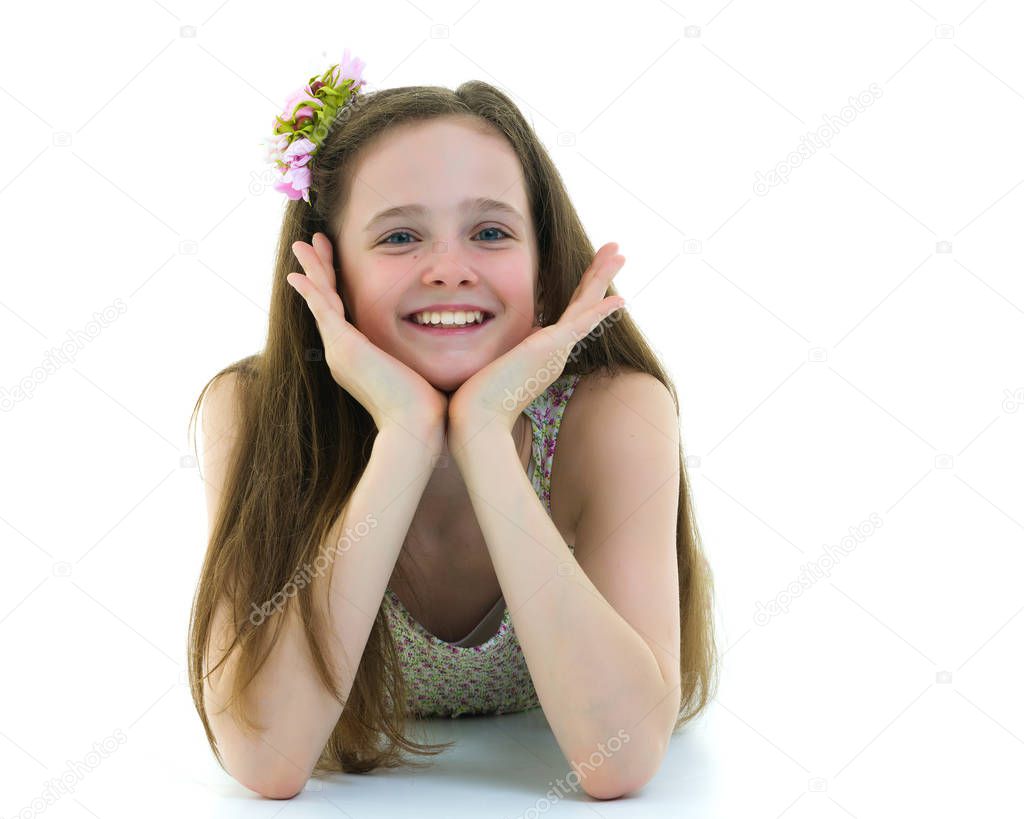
603,389
622,405
222,398
220,408
608,415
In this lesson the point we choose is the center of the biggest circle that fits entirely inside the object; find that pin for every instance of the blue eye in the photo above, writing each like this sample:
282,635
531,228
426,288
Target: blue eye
396,233
504,235
385,240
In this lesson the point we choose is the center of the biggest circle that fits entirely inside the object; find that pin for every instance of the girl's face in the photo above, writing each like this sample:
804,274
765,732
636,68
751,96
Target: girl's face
446,248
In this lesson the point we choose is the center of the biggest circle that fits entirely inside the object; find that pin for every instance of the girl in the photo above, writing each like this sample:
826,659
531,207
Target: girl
388,538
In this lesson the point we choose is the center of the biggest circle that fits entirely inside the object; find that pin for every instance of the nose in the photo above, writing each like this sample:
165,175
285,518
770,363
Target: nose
444,264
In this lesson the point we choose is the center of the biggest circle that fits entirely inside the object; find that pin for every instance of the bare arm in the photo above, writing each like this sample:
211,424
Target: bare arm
287,695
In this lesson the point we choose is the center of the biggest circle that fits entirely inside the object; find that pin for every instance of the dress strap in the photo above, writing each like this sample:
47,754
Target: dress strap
546,411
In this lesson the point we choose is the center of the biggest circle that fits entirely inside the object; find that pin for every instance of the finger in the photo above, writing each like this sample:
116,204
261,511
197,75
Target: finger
328,321
605,271
321,273
325,253
606,308
607,262
601,258
311,263
595,286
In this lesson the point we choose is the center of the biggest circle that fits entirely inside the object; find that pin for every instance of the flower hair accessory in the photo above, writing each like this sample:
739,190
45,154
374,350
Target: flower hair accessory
303,124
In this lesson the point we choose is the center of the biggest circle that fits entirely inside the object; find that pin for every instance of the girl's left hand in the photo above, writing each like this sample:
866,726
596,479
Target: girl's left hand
497,394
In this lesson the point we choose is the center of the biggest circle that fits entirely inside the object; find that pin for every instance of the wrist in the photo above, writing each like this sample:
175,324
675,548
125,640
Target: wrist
469,439
421,437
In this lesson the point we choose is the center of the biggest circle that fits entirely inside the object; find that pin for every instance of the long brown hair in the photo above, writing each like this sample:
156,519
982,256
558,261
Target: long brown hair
303,442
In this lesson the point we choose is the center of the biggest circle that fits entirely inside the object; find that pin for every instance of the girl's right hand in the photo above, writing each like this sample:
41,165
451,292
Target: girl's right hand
391,392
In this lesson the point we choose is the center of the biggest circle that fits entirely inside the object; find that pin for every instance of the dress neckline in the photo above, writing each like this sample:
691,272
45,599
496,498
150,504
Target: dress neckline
537,461
488,622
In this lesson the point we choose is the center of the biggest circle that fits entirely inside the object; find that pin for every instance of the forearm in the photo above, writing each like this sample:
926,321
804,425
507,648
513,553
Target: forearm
369,537
594,675
361,548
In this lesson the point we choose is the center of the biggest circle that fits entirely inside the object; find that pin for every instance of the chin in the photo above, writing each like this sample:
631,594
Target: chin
448,377
446,383
450,372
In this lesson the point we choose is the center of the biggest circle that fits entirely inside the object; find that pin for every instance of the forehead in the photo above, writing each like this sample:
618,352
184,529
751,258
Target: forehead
438,164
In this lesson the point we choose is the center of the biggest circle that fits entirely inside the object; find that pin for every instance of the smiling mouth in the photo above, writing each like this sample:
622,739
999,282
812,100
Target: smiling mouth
486,318
450,329
412,317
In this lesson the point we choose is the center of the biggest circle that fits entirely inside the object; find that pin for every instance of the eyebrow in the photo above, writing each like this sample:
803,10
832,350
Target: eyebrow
478,205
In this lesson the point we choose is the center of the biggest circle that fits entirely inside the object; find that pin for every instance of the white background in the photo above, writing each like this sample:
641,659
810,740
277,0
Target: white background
846,346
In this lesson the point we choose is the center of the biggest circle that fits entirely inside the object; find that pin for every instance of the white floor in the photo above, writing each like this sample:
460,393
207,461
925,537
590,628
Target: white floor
914,748
507,766
890,688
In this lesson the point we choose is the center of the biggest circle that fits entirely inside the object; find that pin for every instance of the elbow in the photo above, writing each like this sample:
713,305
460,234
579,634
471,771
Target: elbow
265,770
624,774
602,791
271,782
274,792
610,786
270,787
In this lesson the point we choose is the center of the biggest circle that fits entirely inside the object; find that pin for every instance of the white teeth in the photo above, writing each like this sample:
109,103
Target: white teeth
449,318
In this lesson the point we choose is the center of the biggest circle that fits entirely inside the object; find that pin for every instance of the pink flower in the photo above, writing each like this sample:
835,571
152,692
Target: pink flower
295,183
298,152
296,176
275,146
351,68
302,95
292,159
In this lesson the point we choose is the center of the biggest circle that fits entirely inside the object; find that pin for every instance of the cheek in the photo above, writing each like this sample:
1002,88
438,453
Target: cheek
512,276
374,291
376,314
